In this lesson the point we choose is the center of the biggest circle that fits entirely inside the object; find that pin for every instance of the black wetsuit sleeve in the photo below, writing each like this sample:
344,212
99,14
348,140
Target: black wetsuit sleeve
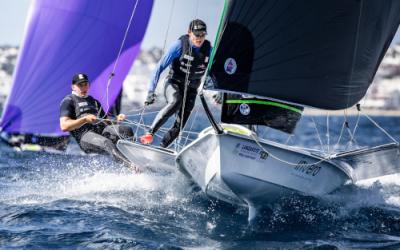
67,108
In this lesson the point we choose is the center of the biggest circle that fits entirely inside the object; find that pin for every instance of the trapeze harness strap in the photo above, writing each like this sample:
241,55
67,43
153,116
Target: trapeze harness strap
84,106
198,63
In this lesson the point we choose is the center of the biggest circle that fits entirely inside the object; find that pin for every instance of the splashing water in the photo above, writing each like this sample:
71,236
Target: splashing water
74,201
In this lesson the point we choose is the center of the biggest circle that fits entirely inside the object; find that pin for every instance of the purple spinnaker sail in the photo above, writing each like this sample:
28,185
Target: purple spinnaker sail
64,37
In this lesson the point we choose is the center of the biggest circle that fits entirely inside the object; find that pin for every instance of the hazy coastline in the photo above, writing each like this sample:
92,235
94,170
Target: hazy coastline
352,112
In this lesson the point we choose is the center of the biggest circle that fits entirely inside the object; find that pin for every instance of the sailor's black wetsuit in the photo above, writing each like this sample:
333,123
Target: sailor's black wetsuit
96,137
187,62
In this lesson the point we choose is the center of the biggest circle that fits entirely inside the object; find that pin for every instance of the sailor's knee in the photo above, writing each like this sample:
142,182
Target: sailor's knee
126,131
108,145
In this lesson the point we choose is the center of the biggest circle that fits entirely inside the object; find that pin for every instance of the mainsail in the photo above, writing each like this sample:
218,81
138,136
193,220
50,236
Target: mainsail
315,53
65,37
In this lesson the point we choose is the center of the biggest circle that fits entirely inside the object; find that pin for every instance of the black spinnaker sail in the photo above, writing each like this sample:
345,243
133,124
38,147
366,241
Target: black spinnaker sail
315,53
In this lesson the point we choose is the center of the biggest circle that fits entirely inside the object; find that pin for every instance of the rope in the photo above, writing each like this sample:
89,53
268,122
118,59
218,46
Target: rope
319,137
327,133
383,130
284,161
136,111
351,133
188,65
169,24
112,74
191,126
341,133
288,139
357,122
140,121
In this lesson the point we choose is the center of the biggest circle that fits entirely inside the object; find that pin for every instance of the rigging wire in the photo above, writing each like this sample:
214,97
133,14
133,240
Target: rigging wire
358,120
191,125
382,129
162,54
140,121
188,66
112,74
168,26
288,139
327,133
352,139
318,135
344,123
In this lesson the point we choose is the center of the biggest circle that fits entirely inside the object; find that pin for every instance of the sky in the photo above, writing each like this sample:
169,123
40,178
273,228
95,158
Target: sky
13,16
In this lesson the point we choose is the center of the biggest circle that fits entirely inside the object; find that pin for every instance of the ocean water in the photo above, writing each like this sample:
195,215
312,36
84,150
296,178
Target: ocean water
74,201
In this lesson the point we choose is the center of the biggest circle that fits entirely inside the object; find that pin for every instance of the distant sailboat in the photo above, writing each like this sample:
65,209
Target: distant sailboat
62,38
321,54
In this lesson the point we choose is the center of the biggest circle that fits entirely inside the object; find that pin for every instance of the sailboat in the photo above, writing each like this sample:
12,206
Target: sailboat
286,55
272,59
61,39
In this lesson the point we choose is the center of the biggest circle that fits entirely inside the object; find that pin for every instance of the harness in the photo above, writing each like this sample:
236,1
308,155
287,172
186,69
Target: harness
195,62
84,106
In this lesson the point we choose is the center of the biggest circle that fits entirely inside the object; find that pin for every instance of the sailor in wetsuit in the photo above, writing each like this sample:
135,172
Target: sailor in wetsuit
188,58
79,113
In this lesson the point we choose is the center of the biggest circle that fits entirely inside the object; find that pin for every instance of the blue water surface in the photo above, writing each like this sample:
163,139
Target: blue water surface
75,201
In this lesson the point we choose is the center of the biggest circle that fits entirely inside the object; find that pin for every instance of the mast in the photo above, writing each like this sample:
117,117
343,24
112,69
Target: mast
218,129
210,117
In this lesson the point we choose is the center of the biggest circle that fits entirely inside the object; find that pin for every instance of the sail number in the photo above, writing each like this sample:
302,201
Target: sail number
307,168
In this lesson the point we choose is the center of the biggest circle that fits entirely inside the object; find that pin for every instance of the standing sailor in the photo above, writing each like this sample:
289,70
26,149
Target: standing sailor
188,58
80,113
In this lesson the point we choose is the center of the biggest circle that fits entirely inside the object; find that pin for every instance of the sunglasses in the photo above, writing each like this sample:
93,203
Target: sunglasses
199,35
82,84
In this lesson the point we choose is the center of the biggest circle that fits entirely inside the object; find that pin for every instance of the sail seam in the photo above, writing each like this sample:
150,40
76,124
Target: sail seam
355,49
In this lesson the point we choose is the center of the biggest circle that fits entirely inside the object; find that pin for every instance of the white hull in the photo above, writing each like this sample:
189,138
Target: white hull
235,169
372,162
149,157
232,167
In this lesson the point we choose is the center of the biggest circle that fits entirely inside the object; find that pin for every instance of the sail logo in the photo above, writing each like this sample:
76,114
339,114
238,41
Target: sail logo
244,109
251,152
230,66
305,168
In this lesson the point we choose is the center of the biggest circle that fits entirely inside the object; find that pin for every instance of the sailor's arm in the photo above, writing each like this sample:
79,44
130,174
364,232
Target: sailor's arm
69,124
174,51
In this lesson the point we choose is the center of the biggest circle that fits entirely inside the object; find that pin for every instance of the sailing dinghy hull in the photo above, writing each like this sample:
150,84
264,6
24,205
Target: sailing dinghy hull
367,163
233,168
146,156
